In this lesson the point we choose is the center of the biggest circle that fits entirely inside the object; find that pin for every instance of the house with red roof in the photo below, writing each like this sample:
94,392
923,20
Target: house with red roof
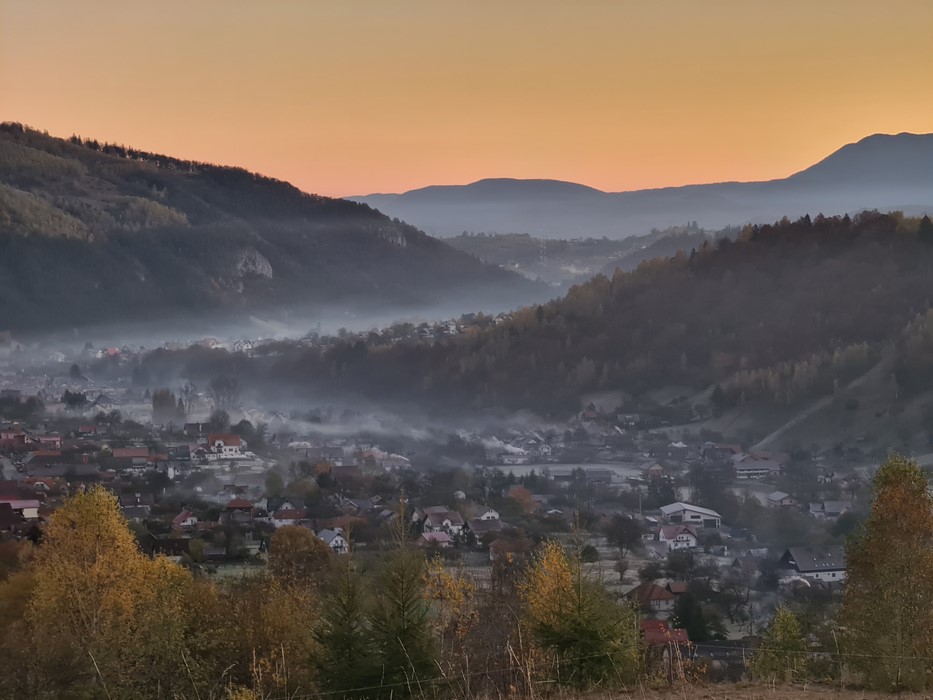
288,516
240,504
185,520
660,633
678,536
652,597
225,446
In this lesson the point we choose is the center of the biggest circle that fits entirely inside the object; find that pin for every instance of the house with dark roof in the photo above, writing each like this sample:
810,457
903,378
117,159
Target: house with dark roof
689,514
136,514
435,539
829,510
780,499
334,539
823,564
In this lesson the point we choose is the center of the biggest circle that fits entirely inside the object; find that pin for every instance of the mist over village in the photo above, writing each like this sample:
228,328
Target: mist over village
415,350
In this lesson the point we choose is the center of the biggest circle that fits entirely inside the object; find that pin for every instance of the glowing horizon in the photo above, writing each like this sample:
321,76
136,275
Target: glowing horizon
350,99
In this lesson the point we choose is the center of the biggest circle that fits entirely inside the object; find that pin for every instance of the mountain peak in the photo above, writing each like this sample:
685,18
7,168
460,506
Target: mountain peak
880,171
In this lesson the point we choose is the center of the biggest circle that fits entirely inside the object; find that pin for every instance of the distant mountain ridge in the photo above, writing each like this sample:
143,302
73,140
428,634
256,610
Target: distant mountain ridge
882,172
93,234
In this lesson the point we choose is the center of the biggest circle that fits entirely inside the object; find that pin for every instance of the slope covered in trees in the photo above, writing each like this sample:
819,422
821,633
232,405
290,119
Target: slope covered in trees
780,314
91,233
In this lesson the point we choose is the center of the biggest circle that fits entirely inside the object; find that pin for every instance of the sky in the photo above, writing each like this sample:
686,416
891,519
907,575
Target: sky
349,97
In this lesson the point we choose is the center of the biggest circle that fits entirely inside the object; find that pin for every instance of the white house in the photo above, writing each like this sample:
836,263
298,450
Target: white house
287,516
185,520
448,521
824,564
678,536
335,540
756,466
829,510
488,514
687,514
226,446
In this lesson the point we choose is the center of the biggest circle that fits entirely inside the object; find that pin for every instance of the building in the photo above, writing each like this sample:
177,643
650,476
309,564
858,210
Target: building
829,510
652,597
678,536
335,540
687,514
779,499
756,466
225,446
824,564
434,539
185,520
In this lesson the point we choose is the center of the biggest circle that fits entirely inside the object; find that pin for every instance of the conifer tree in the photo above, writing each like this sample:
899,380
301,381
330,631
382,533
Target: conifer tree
400,620
345,663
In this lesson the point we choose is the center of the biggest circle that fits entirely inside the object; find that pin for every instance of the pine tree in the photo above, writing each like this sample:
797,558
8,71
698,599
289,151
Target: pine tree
400,622
888,599
345,663
925,230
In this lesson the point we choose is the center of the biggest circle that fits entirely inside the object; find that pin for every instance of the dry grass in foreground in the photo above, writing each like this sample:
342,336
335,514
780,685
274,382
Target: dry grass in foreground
735,691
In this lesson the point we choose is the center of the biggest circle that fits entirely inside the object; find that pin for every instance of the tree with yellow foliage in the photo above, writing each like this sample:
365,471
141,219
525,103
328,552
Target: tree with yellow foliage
298,556
888,598
451,594
101,614
590,638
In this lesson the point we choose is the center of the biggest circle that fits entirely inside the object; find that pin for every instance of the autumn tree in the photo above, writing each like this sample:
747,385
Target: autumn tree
888,598
782,655
588,635
266,636
452,595
298,556
101,612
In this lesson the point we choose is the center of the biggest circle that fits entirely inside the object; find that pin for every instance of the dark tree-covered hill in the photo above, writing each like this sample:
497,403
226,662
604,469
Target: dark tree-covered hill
93,233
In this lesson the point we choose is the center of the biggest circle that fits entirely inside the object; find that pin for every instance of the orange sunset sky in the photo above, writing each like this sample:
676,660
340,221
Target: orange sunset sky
346,97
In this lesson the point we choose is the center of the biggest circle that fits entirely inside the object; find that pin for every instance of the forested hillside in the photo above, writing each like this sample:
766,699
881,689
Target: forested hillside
92,233
780,314
562,262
